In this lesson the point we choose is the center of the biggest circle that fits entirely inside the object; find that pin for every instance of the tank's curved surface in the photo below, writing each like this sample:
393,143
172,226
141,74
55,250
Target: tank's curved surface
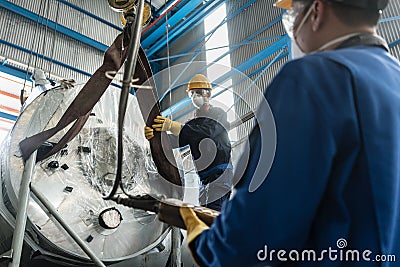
74,179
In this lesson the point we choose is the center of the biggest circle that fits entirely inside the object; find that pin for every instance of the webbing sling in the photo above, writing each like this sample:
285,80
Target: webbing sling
80,109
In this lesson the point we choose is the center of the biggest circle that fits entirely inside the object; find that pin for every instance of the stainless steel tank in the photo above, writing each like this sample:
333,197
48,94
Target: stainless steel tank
74,179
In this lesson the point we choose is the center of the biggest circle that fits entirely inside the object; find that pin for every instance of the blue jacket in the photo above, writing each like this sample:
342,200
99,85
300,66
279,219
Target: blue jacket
335,180
210,124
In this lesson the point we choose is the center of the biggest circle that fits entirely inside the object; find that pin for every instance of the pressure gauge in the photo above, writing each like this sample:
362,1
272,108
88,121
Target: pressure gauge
110,218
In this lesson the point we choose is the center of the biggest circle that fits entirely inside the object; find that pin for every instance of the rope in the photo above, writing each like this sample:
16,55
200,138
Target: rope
54,39
38,39
31,53
168,60
46,10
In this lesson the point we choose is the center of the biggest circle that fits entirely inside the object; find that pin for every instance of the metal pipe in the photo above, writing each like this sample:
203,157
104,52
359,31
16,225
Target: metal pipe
130,66
176,257
133,46
67,228
23,200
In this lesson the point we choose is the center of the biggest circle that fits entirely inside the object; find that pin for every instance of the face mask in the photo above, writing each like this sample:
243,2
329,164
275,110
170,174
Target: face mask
197,100
338,40
290,16
288,19
295,50
303,21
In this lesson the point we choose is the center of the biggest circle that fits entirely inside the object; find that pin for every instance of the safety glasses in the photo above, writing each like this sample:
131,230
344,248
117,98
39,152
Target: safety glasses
199,92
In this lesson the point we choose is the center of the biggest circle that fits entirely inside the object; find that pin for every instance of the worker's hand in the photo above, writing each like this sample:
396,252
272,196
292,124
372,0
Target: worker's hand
194,225
148,132
165,124
66,83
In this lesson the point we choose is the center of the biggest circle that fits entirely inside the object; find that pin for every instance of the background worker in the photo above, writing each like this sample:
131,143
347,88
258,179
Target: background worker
334,185
208,140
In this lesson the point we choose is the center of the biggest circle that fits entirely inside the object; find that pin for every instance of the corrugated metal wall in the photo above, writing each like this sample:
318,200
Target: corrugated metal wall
28,34
261,13
240,28
176,49
389,27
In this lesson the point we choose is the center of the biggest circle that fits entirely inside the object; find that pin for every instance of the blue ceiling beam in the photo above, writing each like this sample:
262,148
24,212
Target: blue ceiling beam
195,19
255,59
225,20
249,38
52,25
159,18
164,8
172,22
189,23
389,19
228,18
216,48
241,68
394,43
177,107
186,102
8,116
18,72
260,71
45,57
235,47
280,57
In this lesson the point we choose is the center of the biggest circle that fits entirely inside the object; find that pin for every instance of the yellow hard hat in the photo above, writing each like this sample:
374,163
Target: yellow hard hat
285,4
199,81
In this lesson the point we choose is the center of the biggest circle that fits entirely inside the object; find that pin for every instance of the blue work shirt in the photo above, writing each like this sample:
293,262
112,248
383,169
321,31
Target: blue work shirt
210,125
335,180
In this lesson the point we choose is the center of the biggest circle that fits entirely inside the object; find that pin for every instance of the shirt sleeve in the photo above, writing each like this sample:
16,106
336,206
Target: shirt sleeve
279,213
204,127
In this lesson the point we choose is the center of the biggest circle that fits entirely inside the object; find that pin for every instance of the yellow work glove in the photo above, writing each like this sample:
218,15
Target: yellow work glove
148,132
165,124
194,225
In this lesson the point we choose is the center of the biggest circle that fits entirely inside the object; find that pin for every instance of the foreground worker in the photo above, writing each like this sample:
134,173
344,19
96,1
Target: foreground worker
208,140
332,196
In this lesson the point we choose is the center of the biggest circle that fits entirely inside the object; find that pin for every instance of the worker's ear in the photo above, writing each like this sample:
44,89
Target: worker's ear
318,13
